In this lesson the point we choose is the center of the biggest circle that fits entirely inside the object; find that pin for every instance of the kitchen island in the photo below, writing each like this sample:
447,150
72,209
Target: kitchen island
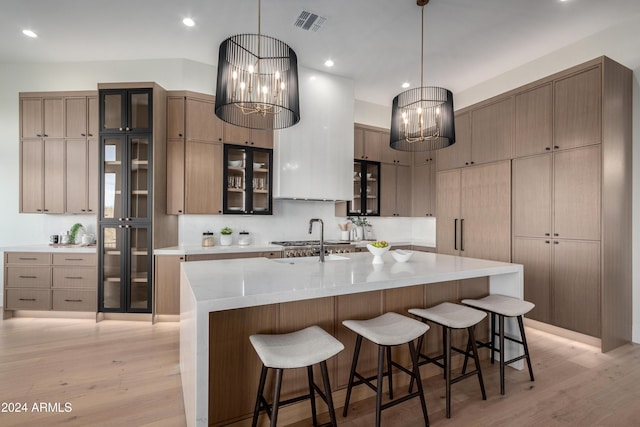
223,302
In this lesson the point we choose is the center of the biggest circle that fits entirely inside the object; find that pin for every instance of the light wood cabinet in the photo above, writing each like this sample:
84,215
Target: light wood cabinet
456,155
492,132
203,180
41,117
50,281
250,137
572,216
167,284
194,154
423,190
58,175
395,190
368,143
484,134
389,155
578,109
82,175
576,286
534,121
474,211
42,175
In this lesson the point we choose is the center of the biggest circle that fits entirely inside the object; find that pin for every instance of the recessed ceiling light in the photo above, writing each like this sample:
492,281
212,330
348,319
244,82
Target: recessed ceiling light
188,22
328,63
405,85
29,33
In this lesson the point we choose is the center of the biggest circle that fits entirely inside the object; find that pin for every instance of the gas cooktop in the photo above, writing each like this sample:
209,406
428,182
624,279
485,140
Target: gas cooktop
309,242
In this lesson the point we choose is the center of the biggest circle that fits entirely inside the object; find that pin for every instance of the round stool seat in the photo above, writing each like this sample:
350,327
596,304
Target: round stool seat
388,329
450,315
298,349
500,304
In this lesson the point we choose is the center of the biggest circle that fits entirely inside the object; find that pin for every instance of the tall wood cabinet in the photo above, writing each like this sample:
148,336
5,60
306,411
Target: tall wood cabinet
571,192
423,188
395,190
474,212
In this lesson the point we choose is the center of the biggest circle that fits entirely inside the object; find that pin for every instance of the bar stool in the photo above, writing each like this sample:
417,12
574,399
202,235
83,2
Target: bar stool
303,348
453,316
387,330
504,306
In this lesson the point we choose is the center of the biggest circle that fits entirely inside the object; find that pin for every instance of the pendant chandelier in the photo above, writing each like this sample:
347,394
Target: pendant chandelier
257,85
422,118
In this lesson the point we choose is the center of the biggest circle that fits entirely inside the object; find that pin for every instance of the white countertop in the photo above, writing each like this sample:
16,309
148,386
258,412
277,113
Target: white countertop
238,283
48,248
266,247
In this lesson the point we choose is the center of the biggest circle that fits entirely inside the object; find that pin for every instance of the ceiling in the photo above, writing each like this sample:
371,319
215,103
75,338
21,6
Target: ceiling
374,42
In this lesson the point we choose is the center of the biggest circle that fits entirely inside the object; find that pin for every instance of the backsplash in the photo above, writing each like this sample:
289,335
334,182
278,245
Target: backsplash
290,221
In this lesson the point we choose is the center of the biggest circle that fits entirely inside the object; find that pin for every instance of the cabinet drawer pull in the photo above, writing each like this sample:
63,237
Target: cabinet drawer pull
74,259
28,277
26,299
74,277
27,259
73,300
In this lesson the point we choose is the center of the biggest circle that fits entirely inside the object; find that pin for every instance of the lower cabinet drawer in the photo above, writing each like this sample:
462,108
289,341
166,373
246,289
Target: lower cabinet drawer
75,259
75,300
75,277
30,258
28,299
28,277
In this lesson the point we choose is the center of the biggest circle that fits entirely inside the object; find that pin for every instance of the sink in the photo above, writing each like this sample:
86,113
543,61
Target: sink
309,259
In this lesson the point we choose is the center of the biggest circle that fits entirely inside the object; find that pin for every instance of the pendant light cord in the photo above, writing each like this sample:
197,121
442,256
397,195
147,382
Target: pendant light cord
421,50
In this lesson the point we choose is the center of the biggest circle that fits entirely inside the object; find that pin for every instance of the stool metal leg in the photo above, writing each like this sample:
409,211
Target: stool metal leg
501,320
263,378
390,373
447,369
526,347
379,384
474,348
356,353
327,391
444,359
416,375
493,337
276,398
312,395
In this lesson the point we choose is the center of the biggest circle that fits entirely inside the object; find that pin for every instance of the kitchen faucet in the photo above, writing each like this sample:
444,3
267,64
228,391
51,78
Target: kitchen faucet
311,221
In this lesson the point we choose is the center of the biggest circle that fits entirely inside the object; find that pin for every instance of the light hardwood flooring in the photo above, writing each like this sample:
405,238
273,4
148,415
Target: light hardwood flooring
121,373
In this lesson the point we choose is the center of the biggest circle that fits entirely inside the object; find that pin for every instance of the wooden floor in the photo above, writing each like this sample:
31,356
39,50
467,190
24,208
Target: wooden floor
120,373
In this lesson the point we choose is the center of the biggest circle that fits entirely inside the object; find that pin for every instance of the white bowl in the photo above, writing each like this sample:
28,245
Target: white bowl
401,255
368,176
235,163
258,165
377,253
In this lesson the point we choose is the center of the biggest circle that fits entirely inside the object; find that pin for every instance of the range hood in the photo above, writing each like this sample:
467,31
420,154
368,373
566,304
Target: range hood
313,160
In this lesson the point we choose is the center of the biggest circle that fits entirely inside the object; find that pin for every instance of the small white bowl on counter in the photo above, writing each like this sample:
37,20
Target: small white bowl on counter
401,255
377,253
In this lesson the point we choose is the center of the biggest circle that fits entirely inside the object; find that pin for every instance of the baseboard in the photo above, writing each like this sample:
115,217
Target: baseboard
52,314
564,333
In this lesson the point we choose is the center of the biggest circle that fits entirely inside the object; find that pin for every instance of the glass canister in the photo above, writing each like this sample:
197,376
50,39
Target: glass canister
207,238
244,238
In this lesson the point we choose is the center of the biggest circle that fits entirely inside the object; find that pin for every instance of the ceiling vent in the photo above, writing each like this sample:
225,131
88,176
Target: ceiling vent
309,21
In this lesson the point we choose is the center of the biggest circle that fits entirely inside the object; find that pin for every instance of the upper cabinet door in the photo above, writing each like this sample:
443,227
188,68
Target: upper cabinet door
578,110
31,117
458,154
532,186
577,195
126,110
201,121
93,119
175,117
492,132
534,121
76,117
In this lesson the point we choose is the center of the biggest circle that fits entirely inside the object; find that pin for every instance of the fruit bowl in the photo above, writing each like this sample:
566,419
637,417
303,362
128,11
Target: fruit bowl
378,251
401,256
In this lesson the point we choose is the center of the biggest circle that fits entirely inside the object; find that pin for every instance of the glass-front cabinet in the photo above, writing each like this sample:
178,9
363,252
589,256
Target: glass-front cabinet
366,189
125,275
126,179
247,180
126,110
